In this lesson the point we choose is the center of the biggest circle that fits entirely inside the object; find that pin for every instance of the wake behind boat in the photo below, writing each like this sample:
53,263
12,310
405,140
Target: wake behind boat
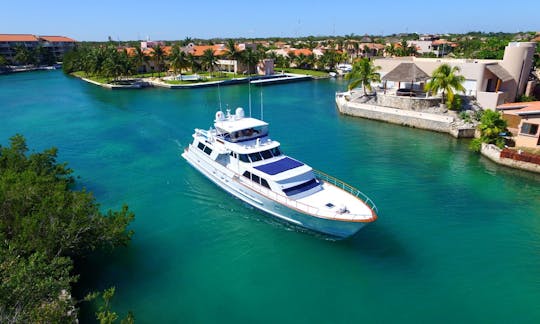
239,156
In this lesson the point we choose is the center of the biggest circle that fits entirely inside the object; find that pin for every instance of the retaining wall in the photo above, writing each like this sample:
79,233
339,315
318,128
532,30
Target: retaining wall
406,103
434,122
493,153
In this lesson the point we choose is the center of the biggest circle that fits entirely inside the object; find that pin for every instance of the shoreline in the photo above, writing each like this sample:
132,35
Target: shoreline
493,153
409,118
158,82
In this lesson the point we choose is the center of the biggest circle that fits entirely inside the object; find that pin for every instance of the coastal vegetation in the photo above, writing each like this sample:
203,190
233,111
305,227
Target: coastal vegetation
363,73
115,60
447,80
46,226
492,129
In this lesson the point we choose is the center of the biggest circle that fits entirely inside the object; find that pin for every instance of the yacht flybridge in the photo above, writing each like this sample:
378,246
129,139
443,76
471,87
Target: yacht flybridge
239,156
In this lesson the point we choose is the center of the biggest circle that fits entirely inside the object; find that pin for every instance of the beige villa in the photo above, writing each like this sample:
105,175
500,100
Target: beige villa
523,120
492,82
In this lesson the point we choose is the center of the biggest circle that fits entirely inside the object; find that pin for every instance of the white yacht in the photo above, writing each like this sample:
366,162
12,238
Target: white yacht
238,155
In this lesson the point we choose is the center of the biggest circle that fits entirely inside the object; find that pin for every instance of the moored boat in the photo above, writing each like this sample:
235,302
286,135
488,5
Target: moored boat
239,156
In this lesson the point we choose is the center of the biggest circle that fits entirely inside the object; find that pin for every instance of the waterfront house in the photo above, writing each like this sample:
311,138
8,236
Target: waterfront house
492,82
56,45
523,120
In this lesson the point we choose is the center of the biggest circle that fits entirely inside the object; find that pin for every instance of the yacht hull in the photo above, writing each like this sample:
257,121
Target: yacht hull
228,181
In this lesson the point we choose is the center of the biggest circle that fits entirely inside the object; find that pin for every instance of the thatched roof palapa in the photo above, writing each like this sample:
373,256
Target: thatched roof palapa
406,72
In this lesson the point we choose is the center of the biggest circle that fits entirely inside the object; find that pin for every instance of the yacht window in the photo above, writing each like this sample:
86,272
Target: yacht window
254,157
244,158
247,174
207,150
275,151
201,146
264,183
266,154
255,178
301,187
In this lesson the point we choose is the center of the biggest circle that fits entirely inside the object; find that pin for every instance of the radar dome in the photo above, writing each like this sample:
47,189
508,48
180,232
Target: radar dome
220,116
239,113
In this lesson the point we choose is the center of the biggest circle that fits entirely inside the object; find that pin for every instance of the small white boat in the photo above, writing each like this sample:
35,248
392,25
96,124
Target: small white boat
239,156
343,68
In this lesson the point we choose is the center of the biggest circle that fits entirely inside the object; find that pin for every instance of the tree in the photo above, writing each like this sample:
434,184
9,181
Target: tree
140,58
44,226
363,72
178,59
232,51
491,126
23,55
446,79
3,61
209,60
250,58
104,314
158,56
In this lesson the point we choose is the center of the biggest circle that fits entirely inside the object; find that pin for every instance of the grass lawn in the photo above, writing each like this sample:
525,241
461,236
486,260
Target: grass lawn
82,74
302,71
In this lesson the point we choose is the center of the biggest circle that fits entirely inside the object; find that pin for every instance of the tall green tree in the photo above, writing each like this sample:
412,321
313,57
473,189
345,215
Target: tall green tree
209,60
140,58
363,72
250,58
232,51
158,57
446,80
24,55
178,60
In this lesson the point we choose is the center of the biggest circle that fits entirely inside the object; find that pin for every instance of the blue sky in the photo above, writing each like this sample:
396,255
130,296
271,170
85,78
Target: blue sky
172,20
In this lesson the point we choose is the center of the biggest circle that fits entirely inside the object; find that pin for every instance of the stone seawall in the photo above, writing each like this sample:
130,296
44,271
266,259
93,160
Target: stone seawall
493,153
411,118
412,103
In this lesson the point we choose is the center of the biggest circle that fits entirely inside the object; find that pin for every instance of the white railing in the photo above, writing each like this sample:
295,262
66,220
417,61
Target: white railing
350,189
305,207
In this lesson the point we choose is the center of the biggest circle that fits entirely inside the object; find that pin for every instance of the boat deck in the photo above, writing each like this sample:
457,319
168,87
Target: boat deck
333,202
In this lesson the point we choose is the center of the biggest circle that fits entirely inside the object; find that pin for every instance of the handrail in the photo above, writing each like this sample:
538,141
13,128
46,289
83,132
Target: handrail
350,189
305,207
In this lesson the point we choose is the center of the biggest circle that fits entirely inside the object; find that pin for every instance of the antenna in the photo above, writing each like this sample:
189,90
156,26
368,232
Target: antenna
219,96
262,118
249,90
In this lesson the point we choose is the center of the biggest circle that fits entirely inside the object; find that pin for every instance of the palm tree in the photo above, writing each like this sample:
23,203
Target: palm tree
158,56
364,73
178,60
140,58
250,58
232,51
390,49
445,79
209,60
192,62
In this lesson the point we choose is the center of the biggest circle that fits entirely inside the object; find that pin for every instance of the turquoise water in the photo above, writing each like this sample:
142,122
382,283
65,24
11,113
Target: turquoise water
457,239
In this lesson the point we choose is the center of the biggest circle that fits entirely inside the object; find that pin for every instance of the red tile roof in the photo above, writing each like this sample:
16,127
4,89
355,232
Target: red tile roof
18,38
305,51
57,39
516,108
198,50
